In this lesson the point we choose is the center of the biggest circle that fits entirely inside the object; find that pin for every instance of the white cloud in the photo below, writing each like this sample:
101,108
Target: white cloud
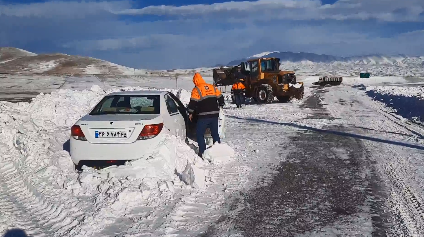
230,7
212,47
205,35
62,9
383,10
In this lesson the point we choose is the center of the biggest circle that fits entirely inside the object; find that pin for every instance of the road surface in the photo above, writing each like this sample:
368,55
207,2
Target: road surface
336,163
352,176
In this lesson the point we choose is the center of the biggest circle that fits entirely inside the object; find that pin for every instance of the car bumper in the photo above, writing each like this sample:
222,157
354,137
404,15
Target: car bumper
86,151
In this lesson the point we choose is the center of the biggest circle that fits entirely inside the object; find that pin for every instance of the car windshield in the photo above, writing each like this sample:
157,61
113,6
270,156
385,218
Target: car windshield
128,104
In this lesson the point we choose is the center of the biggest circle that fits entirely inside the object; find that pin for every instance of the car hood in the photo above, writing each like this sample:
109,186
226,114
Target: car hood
119,117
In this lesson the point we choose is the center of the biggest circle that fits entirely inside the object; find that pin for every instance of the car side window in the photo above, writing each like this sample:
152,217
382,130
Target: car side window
171,105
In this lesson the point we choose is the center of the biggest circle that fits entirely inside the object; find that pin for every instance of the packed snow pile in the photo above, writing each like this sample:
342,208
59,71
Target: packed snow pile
219,154
412,91
33,144
169,162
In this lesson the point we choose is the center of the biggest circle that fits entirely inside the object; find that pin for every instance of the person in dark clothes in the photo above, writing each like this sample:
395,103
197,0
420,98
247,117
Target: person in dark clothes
205,102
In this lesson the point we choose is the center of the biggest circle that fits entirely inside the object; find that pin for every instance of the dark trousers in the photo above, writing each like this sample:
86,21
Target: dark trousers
202,125
239,97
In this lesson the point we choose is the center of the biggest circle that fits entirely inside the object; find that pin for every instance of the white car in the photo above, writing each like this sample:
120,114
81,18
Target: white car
126,126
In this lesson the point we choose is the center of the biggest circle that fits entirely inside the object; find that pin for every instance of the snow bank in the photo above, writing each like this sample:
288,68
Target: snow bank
33,144
350,80
410,91
168,162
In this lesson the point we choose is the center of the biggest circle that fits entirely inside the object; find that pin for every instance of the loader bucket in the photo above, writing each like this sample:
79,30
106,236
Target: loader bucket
223,76
298,92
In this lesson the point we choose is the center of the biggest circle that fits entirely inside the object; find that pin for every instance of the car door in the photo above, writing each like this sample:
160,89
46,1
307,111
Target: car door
190,127
177,119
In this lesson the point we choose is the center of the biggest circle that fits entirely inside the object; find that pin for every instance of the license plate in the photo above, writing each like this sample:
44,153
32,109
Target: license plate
110,134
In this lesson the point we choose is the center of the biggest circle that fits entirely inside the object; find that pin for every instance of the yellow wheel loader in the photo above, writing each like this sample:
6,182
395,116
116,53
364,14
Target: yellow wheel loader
263,80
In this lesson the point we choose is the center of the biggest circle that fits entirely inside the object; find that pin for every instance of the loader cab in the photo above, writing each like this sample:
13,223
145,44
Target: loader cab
255,67
260,65
250,68
270,65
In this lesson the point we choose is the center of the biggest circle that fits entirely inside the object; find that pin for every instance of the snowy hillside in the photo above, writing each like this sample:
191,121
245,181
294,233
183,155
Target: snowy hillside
18,61
315,64
8,54
290,56
400,60
413,91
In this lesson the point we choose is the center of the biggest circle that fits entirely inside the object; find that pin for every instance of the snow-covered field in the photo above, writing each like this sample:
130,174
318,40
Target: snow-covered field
22,88
176,193
416,91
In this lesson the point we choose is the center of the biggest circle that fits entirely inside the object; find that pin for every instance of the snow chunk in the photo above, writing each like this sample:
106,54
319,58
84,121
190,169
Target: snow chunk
184,96
297,85
219,153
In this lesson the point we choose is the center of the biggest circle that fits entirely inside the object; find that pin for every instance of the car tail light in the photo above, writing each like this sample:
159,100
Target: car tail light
77,133
150,131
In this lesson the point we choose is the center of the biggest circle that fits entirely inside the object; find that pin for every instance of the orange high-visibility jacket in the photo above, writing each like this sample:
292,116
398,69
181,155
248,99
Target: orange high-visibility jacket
238,86
205,98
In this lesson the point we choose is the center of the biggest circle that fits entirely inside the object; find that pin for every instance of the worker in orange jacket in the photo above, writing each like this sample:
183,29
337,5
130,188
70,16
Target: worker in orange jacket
238,90
205,103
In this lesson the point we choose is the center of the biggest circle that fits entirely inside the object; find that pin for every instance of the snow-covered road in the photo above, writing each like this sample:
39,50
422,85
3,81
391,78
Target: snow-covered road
353,170
334,163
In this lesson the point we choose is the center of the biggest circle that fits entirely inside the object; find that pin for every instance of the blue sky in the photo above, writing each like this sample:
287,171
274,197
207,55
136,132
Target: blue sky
162,34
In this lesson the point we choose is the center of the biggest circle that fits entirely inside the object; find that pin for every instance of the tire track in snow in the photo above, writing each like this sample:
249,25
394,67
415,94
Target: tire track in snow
324,186
190,211
32,210
394,166
404,199
254,165
193,211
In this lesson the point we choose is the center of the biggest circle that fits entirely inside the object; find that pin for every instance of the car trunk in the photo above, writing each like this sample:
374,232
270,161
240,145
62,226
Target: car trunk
123,128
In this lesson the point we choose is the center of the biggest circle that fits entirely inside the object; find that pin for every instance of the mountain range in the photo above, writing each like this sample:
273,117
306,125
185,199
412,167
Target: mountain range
301,57
19,61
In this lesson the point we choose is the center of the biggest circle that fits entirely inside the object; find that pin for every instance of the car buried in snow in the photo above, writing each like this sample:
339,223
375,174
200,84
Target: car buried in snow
128,125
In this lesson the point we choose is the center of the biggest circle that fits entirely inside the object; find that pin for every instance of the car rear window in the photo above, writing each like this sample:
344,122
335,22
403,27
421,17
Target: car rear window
128,104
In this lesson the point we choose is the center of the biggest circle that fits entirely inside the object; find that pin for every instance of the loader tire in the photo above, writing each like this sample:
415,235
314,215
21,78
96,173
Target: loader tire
264,94
283,99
